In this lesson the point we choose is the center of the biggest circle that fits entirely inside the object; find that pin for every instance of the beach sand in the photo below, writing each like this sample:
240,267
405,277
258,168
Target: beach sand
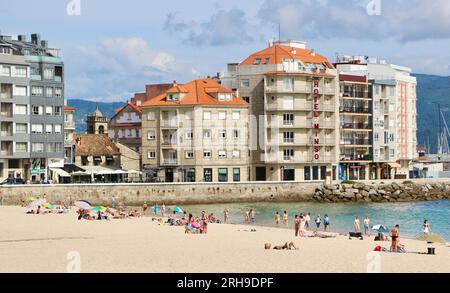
41,243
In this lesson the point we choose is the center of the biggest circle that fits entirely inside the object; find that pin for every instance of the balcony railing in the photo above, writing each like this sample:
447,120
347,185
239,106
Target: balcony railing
7,114
282,89
169,123
361,142
356,157
363,95
356,110
5,95
170,162
356,126
169,143
6,153
69,125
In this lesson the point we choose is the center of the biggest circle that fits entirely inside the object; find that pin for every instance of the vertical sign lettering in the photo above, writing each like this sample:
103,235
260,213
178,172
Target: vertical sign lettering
315,120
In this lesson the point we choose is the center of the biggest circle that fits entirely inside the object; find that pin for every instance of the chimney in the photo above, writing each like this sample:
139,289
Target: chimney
313,52
36,39
44,44
22,38
174,83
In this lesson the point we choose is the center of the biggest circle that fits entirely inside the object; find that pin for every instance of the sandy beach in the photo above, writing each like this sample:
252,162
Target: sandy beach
43,243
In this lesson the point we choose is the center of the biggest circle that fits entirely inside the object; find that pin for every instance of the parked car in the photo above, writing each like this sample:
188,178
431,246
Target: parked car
13,181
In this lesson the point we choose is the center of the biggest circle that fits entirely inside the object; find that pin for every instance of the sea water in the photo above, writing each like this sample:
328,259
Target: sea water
409,216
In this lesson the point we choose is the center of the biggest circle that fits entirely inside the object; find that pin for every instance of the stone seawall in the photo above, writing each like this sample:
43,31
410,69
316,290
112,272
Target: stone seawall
203,193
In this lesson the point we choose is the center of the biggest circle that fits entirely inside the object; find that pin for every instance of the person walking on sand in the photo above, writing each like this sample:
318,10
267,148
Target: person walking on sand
318,222
367,226
426,227
285,219
163,209
226,213
357,225
326,223
277,218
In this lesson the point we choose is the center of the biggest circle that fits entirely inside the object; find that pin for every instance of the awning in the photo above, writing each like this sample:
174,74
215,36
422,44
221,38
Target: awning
395,165
60,172
99,170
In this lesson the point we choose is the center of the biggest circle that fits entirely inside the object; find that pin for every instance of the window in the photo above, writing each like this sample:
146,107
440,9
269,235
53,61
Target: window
245,83
222,115
151,154
21,128
222,154
6,71
207,175
21,109
151,135
236,115
288,84
236,154
206,115
37,91
247,99
37,128
207,134
288,137
173,97
307,174
288,154
20,91
236,174
222,134
223,175
189,154
49,73
266,61
58,147
288,119
58,92
189,134
151,116
288,102
48,128
207,153
392,153
37,110
48,110
49,92
21,147
257,61
224,97
21,71
58,128
236,134
315,173
58,111
37,147
188,115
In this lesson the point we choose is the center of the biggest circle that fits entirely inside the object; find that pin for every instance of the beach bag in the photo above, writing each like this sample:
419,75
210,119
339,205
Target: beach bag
378,248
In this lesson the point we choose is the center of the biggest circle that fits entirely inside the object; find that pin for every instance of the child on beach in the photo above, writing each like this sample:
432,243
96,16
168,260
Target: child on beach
426,227
318,222
326,223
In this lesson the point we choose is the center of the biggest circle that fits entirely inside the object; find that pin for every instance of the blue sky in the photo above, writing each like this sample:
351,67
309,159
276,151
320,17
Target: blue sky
113,48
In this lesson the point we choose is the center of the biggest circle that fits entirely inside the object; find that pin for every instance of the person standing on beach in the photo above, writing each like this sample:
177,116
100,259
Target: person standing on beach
318,222
226,213
113,201
307,220
357,225
253,215
426,227
297,225
144,208
326,223
163,209
395,234
285,218
247,217
367,226
277,218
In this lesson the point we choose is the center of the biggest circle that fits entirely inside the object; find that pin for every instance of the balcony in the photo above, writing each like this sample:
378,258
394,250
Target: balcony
6,91
355,142
169,162
6,110
355,94
282,89
356,158
303,106
6,148
356,126
169,124
69,125
301,123
355,110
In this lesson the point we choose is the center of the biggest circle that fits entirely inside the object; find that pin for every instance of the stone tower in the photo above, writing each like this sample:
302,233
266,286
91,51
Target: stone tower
97,123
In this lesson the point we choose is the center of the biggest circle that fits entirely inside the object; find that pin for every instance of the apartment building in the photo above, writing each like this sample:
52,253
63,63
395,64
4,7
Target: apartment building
126,125
355,113
46,103
196,132
393,92
14,112
69,132
293,93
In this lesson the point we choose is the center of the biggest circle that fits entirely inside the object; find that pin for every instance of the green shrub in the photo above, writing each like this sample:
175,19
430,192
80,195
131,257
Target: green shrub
348,182
407,182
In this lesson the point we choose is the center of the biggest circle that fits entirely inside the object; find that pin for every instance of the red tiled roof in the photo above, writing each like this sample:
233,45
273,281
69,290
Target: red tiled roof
276,54
94,145
198,92
300,73
69,108
133,106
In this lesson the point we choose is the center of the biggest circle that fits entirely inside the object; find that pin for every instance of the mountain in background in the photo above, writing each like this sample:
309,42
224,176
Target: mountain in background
83,108
431,90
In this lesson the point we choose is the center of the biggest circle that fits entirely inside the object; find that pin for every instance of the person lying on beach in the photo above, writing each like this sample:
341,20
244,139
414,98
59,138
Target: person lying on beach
286,246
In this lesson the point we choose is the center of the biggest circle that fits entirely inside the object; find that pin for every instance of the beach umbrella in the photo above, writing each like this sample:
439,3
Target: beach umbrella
36,203
99,208
177,210
380,228
84,205
432,238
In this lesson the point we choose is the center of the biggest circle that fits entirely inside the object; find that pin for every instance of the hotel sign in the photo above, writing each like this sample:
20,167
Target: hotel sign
315,119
